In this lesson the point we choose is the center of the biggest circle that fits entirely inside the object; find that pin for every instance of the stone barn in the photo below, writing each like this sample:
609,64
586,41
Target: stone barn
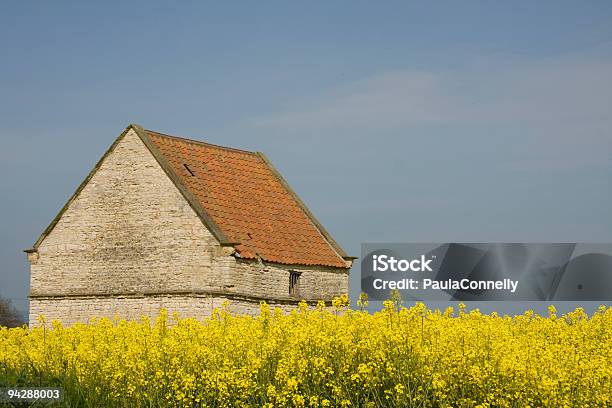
167,222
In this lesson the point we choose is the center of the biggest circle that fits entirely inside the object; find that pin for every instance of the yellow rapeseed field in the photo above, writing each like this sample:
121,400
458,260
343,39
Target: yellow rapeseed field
322,357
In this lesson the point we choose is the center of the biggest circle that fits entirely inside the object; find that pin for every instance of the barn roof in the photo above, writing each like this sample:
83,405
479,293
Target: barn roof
243,200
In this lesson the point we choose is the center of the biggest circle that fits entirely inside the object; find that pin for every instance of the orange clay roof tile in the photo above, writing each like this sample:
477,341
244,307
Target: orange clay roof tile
248,202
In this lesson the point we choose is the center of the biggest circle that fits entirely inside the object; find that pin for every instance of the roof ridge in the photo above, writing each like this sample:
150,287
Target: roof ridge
199,142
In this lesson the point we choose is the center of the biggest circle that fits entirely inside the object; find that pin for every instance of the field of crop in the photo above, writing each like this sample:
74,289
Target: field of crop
321,357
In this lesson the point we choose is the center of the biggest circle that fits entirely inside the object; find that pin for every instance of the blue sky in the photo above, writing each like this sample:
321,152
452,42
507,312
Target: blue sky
465,121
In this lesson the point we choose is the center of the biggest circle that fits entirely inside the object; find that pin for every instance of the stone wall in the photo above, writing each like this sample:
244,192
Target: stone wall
269,280
128,231
129,244
82,309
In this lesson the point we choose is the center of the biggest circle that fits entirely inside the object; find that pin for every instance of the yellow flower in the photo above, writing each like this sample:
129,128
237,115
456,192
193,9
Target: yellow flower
319,357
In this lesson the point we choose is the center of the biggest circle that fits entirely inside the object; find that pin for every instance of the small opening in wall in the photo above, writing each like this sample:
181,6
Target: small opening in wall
294,280
189,170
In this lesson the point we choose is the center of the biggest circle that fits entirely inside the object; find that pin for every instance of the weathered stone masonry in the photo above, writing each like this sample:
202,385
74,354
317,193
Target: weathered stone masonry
129,243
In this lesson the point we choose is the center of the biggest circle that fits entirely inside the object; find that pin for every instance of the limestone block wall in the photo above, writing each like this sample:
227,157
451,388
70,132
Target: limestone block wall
82,309
269,280
128,231
251,282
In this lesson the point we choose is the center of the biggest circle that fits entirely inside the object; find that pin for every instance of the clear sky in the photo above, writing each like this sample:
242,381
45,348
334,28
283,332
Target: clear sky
402,121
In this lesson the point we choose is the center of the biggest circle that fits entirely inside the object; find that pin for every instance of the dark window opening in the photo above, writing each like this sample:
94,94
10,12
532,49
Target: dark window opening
294,280
189,170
